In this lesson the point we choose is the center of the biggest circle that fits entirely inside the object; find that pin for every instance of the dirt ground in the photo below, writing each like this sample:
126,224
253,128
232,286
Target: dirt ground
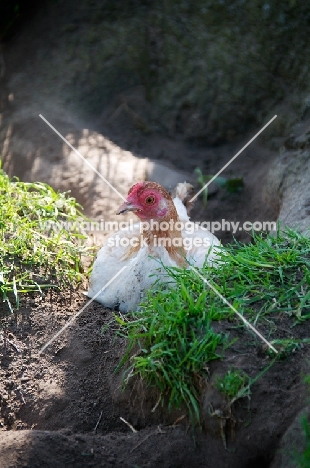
63,407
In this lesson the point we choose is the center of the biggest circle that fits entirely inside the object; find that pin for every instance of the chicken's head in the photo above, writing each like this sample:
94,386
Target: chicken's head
149,200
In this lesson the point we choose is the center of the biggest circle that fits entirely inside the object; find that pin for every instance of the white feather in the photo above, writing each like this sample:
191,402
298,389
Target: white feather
127,290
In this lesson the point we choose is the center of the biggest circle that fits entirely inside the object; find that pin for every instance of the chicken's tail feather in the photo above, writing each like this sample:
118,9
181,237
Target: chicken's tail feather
184,191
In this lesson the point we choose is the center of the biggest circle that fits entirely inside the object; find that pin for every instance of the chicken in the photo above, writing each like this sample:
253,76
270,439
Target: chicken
164,236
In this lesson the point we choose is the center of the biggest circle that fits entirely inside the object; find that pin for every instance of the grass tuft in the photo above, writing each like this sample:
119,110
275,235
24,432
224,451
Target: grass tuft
231,383
33,255
172,337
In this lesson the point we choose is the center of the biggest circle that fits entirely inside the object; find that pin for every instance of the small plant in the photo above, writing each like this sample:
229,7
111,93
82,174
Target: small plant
202,180
231,383
231,185
288,346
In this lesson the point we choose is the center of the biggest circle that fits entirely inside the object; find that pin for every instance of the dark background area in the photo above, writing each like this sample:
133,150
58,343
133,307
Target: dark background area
208,70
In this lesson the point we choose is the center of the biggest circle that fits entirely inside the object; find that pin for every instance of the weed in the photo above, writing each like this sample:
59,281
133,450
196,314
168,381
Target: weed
231,185
231,383
288,346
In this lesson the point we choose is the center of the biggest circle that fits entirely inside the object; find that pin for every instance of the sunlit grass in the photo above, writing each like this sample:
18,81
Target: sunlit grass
33,255
171,338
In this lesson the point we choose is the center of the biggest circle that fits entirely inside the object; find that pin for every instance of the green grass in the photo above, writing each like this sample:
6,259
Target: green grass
172,337
175,339
33,256
302,459
231,383
231,185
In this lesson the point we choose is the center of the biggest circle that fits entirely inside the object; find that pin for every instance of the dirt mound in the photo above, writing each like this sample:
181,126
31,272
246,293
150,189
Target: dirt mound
63,408
165,447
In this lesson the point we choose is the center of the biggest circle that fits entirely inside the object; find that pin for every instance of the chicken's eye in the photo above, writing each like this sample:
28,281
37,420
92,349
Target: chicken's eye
150,200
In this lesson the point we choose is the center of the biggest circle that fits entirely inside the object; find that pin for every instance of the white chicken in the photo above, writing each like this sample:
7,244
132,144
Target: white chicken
164,236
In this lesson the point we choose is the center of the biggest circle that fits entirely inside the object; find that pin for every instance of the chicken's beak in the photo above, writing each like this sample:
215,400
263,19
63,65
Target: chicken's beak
126,206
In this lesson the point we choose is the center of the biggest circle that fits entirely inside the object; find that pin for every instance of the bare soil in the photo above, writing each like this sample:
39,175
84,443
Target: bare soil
63,407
